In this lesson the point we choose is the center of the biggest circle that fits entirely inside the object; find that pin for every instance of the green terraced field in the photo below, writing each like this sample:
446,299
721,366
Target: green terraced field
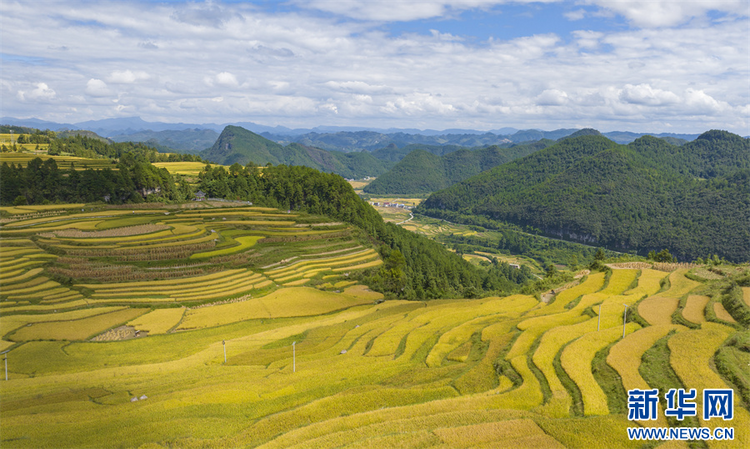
491,372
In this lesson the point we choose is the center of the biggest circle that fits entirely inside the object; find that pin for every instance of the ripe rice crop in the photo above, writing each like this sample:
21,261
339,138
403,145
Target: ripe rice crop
625,356
576,361
722,314
244,243
116,232
551,343
649,283
694,309
746,295
46,307
288,302
619,281
658,310
691,354
679,284
158,321
80,329
520,433
9,323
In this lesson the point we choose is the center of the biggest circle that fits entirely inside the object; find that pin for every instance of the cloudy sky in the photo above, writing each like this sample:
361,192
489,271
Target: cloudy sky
651,66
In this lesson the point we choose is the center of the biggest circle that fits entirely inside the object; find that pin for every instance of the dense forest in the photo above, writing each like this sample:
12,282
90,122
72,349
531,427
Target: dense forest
415,267
238,145
693,199
41,182
425,172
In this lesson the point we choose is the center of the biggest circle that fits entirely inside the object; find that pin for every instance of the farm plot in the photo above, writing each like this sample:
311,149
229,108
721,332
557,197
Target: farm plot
309,267
80,329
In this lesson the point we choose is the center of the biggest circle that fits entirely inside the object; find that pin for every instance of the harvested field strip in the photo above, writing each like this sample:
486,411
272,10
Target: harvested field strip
181,281
576,361
182,286
722,314
14,276
80,329
158,321
694,310
658,310
691,355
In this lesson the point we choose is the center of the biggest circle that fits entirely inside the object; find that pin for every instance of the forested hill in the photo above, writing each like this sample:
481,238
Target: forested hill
424,172
236,144
693,199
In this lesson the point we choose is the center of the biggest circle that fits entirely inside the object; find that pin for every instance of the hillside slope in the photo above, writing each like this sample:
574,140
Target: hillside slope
648,195
238,145
424,172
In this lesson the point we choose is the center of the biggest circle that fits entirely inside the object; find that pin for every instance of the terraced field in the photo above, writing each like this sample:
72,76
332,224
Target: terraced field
63,162
221,296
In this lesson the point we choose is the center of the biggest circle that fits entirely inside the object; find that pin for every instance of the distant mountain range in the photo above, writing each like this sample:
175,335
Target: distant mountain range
424,172
692,199
192,137
238,145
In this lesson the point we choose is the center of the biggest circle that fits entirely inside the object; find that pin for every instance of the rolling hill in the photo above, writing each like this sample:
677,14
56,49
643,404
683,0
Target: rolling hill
648,195
238,145
424,172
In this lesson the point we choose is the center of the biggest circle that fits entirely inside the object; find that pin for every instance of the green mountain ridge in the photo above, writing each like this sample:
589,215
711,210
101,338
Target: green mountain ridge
238,145
424,172
693,199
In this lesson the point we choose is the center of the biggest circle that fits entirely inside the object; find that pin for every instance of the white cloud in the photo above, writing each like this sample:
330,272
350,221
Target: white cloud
664,13
551,97
42,92
644,94
297,68
578,14
97,88
127,76
226,79
388,10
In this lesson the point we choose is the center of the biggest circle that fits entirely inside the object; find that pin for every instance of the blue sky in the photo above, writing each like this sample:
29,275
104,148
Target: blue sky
657,66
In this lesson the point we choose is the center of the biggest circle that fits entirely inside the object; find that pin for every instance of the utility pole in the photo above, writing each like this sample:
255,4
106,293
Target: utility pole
599,322
294,357
224,343
624,314
6,363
